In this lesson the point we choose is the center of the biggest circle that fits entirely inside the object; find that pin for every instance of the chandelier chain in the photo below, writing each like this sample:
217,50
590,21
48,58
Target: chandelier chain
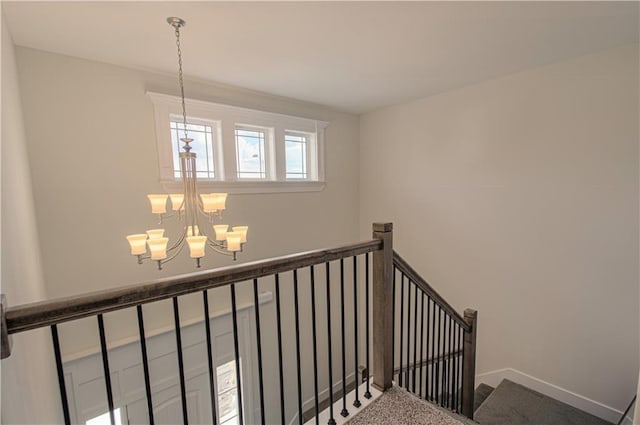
184,110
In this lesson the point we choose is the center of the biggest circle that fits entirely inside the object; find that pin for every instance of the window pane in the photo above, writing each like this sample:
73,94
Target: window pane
105,419
296,155
202,146
227,393
250,153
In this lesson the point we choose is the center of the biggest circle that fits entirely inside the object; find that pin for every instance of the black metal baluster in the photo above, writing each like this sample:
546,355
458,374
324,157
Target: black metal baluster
455,368
445,374
426,378
450,370
433,352
145,363
393,329
445,364
328,277
256,305
367,393
280,370
297,321
461,348
212,376
415,335
443,369
462,376
408,371
445,360
356,402
437,360
315,344
400,373
234,316
60,370
183,389
105,367
344,413
421,342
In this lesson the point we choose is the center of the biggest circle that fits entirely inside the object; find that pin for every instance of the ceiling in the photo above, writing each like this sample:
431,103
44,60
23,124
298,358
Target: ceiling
353,56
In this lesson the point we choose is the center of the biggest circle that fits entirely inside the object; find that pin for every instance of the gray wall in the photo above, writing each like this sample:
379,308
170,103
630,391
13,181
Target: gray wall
519,197
31,364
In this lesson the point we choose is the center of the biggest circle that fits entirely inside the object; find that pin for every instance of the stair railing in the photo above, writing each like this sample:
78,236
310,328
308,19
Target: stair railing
435,346
381,309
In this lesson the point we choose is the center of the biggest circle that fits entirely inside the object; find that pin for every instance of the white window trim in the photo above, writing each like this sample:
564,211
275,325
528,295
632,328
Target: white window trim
224,118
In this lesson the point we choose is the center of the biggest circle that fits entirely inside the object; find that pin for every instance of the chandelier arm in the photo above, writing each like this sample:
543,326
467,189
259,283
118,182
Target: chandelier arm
142,257
220,251
215,244
175,254
202,230
180,241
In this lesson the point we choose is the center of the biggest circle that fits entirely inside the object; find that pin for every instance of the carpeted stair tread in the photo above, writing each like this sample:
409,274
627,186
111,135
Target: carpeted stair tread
513,404
482,392
399,407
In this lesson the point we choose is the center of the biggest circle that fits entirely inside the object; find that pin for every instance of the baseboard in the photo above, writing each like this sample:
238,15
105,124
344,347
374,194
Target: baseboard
598,409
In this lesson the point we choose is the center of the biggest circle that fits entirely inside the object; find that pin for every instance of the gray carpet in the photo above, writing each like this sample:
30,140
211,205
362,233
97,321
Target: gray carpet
482,393
513,404
398,407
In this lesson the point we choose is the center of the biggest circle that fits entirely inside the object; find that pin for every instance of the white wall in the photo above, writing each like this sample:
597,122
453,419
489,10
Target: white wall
31,362
519,197
92,151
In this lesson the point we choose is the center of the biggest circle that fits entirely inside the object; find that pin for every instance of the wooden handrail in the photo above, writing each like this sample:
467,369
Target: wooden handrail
36,315
414,277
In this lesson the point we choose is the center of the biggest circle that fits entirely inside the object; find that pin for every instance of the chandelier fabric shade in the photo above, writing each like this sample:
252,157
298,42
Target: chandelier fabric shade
189,207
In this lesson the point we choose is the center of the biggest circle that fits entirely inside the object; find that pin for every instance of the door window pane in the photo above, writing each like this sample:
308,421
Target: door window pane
227,393
104,419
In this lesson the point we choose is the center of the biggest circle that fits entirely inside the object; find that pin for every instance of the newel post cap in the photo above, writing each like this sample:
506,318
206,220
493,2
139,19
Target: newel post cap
383,227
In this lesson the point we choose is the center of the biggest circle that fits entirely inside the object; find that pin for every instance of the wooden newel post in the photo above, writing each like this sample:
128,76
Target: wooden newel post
383,307
469,366
5,339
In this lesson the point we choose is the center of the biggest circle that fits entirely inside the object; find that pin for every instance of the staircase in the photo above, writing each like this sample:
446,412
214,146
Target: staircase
513,404
508,404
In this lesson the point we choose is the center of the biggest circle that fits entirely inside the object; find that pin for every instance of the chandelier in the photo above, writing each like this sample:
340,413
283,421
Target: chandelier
188,206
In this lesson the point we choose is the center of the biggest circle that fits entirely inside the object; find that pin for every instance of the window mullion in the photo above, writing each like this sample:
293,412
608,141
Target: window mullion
229,149
280,154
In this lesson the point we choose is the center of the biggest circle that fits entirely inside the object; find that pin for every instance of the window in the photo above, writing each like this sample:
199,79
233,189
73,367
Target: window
239,150
250,152
202,145
227,393
296,147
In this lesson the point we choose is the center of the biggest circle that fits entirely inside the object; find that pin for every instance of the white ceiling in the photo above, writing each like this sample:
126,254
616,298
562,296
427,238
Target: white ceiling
354,56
